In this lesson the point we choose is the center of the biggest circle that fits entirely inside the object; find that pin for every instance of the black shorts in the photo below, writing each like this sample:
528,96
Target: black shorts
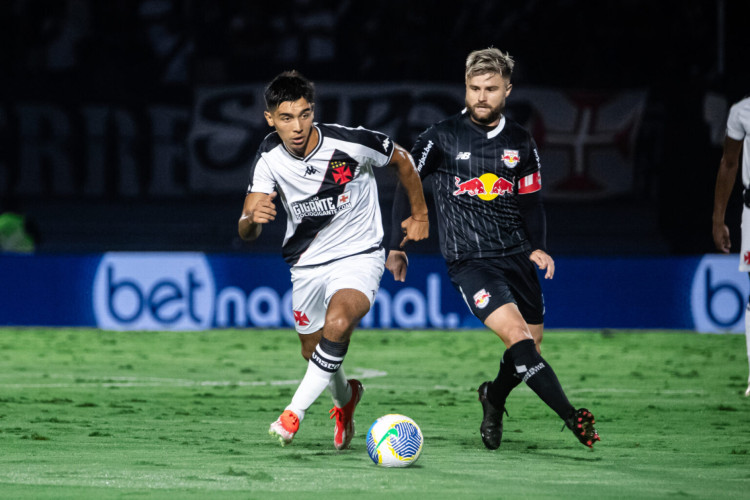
489,283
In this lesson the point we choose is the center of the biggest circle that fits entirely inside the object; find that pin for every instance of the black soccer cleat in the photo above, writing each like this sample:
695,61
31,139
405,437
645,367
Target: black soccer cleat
492,421
581,422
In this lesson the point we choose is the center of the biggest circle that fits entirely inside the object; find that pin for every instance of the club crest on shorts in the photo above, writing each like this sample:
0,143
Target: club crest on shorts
481,299
301,318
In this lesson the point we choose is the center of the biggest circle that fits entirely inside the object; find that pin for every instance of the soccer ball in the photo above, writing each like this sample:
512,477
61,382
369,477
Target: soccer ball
394,441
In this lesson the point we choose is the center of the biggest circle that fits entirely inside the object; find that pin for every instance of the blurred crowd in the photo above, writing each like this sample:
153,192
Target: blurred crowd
144,51
144,43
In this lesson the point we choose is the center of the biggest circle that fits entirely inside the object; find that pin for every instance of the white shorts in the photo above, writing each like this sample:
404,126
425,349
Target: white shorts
313,286
745,243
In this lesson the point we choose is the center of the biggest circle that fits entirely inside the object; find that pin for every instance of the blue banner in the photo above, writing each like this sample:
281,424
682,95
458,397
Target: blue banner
196,291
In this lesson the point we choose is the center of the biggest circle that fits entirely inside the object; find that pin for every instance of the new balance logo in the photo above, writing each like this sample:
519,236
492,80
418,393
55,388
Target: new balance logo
310,170
463,156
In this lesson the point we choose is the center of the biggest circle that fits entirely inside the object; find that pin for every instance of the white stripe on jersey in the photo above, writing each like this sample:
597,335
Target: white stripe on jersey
346,206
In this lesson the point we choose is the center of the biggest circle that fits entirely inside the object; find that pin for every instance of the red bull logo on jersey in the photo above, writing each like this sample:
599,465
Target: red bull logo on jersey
510,157
472,187
485,187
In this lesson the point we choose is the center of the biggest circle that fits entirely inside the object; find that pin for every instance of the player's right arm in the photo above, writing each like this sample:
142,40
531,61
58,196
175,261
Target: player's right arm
258,209
728,166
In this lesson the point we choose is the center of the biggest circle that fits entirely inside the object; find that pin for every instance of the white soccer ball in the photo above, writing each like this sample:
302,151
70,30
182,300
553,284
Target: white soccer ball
394,441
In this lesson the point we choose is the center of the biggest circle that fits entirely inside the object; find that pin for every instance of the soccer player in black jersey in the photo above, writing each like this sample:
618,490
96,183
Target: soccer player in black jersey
492,225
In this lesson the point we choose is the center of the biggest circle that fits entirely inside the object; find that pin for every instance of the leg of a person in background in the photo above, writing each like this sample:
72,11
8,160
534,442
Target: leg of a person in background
747,342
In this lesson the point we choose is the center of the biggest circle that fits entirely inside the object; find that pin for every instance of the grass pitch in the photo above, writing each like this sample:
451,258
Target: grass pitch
92,414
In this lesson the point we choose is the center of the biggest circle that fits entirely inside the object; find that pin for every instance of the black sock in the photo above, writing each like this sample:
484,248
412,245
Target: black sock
333,348
505,382
530,367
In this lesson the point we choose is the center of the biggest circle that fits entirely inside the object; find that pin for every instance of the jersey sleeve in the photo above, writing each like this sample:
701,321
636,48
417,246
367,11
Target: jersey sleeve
380,144
735,128
530,175
426,153
261,179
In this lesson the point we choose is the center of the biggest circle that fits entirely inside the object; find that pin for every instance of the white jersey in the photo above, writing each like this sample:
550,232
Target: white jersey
738,128
330,196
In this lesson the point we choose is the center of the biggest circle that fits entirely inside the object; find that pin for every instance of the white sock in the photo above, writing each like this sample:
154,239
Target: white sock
747,336
341,391
320,370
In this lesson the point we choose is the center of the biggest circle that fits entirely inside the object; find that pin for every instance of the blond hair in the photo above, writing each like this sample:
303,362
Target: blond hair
490,60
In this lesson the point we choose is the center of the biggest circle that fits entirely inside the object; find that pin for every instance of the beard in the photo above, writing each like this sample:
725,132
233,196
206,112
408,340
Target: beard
492,116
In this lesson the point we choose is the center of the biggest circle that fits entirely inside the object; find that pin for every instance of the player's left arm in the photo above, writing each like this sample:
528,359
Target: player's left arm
533,215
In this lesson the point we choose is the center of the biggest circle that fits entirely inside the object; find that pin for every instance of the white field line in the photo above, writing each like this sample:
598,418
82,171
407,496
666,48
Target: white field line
359,373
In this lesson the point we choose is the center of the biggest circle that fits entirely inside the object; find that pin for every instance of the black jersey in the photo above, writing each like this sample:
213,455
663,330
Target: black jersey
477,177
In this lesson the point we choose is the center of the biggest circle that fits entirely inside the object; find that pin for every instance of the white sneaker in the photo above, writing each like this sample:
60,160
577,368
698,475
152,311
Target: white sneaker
747,391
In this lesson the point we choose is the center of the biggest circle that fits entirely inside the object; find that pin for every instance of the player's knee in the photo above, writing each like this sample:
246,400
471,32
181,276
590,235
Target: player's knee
517,333
339,327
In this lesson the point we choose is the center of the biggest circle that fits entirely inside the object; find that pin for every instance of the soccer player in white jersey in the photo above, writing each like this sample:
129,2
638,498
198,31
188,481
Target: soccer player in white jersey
738,132
323,176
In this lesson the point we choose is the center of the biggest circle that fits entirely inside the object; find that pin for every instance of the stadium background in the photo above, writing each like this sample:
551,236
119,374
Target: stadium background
128,126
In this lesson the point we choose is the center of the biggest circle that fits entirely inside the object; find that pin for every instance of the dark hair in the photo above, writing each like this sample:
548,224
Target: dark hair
288,86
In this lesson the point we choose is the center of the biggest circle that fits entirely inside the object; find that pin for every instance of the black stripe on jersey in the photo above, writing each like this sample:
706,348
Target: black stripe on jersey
341,170
271,141
369,138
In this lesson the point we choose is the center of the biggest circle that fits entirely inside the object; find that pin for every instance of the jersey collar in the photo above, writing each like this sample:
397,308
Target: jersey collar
312,153
492,133
495,131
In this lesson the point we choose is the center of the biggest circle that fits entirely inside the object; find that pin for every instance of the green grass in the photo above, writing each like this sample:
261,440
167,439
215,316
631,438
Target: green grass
91,414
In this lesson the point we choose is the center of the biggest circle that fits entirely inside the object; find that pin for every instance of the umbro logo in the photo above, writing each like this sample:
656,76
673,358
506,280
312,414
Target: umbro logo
310,170
463,155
